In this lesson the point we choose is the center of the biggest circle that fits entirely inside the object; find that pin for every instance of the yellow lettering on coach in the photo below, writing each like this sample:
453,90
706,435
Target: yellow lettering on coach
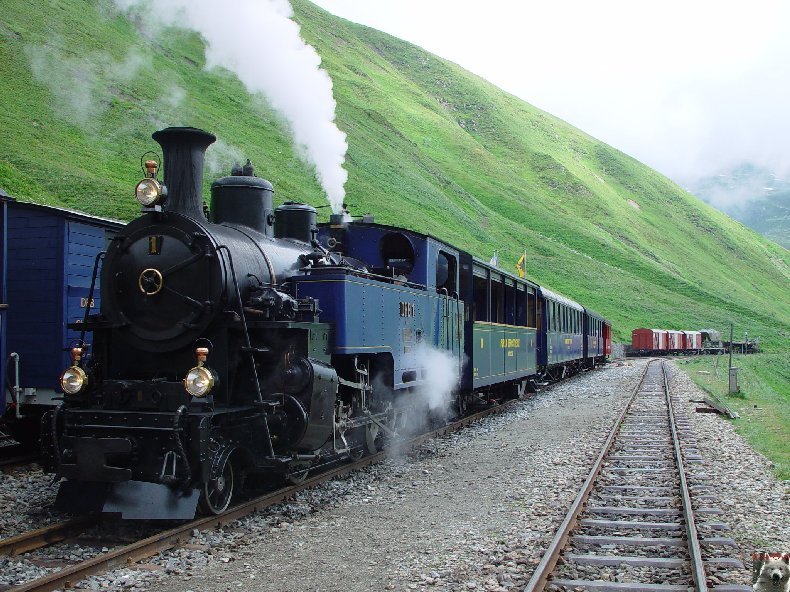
509,343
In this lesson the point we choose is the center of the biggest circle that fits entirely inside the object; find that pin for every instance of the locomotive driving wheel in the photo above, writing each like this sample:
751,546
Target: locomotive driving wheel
217,493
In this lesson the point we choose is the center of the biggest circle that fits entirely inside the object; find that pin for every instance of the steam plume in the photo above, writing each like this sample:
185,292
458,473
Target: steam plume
259,42
442,374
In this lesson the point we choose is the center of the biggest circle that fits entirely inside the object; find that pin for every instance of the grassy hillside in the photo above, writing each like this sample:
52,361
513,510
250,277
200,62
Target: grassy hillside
431,146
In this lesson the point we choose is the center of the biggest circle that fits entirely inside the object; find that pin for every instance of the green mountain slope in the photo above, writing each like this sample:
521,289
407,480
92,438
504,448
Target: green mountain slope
431,147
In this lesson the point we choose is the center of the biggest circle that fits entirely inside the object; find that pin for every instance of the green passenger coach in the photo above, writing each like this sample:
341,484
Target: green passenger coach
503,327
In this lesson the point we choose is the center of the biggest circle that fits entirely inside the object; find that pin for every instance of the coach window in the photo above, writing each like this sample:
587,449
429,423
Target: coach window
510,303
480,295
497,299
521,305
532,312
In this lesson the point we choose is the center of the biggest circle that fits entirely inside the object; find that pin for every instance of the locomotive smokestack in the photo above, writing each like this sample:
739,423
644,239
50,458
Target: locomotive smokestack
184,149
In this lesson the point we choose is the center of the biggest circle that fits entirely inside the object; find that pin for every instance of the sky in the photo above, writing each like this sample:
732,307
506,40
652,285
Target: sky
690,87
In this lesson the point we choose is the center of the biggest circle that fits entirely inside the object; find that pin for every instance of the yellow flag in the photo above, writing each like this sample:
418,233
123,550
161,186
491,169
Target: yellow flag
521,265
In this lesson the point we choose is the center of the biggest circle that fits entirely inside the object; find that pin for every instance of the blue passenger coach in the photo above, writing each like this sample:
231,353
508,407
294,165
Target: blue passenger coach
47,258
560,346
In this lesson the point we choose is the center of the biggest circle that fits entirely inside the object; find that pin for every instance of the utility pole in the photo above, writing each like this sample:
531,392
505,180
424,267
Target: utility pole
733,372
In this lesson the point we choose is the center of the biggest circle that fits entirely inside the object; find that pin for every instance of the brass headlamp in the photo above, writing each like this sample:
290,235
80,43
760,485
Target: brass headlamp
150,191
74,379
201,379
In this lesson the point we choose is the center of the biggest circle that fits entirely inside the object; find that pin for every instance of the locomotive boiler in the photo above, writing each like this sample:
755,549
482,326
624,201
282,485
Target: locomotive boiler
202,369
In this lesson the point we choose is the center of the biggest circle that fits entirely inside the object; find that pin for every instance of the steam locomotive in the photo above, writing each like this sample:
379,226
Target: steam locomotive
252,343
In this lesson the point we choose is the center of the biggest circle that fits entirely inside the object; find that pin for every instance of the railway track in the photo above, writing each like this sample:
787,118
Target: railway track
643,519
128,554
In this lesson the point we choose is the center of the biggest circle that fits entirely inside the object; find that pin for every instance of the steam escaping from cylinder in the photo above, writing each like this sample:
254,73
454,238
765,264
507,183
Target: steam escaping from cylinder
442,373
259,42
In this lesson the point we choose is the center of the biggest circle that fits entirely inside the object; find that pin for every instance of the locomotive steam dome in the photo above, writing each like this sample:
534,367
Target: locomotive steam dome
295,221
243,199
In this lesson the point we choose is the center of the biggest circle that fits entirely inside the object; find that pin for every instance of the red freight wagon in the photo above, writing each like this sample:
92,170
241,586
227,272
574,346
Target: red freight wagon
607,338
692,340
675,341
648,340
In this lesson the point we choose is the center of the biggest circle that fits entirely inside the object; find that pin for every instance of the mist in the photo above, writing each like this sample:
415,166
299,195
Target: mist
82,85
221,156
259,42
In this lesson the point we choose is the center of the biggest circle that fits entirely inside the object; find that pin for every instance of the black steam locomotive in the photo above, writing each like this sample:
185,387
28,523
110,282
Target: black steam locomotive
201,368
252,343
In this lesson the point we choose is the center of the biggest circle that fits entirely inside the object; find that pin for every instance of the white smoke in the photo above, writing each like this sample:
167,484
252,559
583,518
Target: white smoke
221,156
442,373
259,42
